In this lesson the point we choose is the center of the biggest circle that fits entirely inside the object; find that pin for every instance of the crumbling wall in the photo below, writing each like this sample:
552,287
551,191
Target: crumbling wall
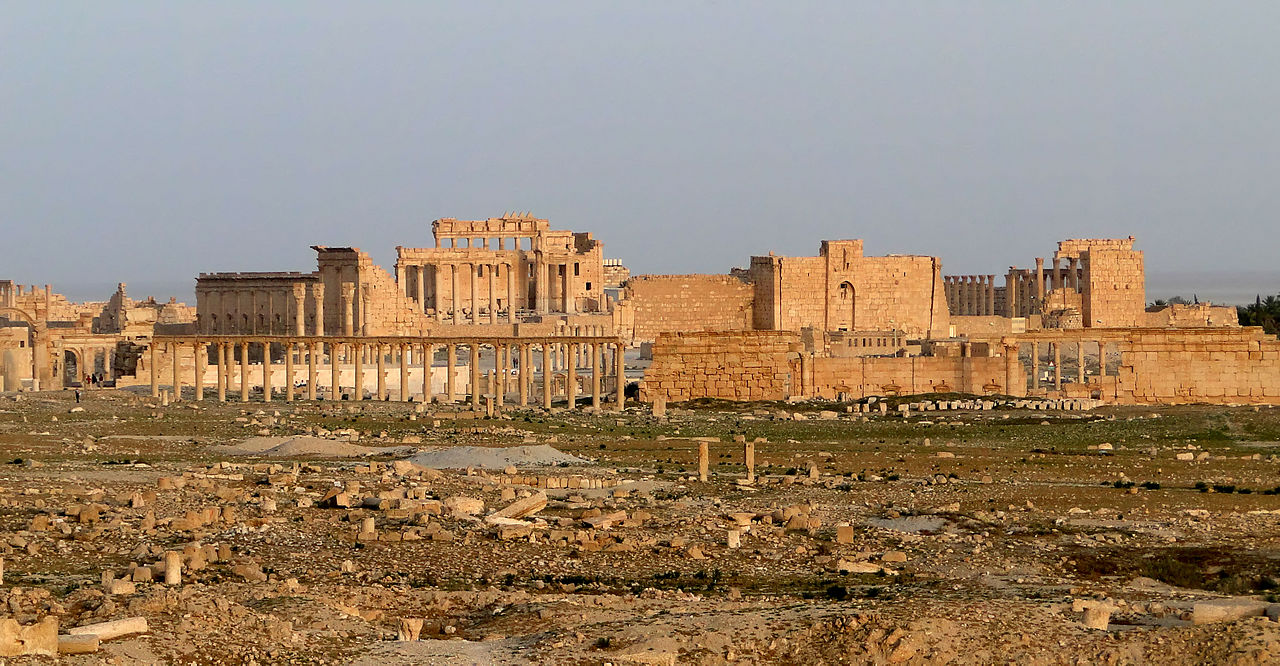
1199,315
867,376
745,365
687,303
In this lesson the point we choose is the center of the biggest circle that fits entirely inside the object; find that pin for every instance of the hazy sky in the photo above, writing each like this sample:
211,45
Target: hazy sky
148,141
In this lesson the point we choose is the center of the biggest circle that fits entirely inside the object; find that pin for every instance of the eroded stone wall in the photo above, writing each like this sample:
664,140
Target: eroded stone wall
686,303
1205,365
745,365
841,289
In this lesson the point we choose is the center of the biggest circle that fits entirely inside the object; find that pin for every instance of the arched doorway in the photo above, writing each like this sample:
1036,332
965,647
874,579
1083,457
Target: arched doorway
846,317
71,365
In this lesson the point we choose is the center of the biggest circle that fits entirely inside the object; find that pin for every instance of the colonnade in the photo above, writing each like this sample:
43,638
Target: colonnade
501,285
1052,350
264,310
521,369
971,294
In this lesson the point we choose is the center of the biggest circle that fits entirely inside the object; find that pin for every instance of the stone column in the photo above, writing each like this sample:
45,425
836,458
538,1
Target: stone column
420,272
381,365
266,371
348,302
571,378
155,373
453,293
1057,366
522,375
1080,373
511,293
288,372
493,294
428,353
1015,383
597,361
435,293
1011,294
365,297
244,372
472,271
547,384
201,358
357,357
704,460
991,295
749,459
222,371
404,374
1073,273
620,371
401,282
475,376
570,304
335,372
1035,365
299,310
804,374
502,364
451,351
312,348
175,350
317,295
1040,282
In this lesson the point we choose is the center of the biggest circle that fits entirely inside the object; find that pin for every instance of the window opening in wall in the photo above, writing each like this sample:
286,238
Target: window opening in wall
588,286
575,269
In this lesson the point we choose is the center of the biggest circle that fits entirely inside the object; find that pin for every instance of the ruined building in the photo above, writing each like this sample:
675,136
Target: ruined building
500,271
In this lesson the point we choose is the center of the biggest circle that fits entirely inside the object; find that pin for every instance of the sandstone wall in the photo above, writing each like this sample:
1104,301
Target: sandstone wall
843,290
1114,289
746,365
686,303
867,376
1200,315
1203,365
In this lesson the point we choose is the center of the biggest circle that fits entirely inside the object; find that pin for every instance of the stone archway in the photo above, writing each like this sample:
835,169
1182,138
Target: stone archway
72,367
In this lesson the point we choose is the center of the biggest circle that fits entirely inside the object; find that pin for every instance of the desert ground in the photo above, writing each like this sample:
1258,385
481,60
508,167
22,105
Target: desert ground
393,533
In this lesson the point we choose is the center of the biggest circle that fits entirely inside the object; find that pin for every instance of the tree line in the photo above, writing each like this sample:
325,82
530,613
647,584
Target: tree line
1264,312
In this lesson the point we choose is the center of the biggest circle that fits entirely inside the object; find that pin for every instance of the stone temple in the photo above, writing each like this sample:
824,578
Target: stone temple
508,310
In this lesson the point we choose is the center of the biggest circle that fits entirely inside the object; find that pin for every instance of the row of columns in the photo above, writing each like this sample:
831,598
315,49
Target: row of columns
1068,275
1016,375
467,242
554,286
973,295
236,311
560,362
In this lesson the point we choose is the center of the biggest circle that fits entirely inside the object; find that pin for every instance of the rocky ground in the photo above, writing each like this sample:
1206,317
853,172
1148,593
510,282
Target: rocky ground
309,533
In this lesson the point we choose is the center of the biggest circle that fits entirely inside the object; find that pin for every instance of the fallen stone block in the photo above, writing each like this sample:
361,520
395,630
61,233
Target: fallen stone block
17,640
106,631
1226,610
523,507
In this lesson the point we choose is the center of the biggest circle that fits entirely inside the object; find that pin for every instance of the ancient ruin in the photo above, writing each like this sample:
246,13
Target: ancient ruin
836,458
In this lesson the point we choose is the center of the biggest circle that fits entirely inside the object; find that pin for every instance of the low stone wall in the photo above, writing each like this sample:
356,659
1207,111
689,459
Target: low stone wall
868,376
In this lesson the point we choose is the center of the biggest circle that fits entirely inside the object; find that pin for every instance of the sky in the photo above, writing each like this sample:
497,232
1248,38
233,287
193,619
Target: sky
146,142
